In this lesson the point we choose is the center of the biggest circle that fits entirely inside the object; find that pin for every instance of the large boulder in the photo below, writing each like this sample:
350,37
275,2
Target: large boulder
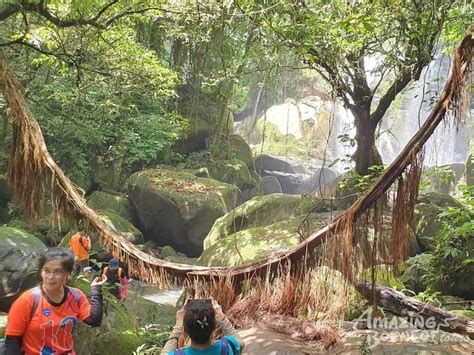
292,129
252,244
289,182
425,224
255,243
19,256
236,172
320,178
240,150
444,178
461,282
44,231
257,212
414,271
275,163
202,113
100,200
178,209
270,185
121,226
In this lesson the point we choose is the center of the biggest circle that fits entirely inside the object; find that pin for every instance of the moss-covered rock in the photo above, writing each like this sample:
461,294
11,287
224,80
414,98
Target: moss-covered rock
178,209
384,275
19,255
100,200
167,251
443,178
293,129
240,150
425,224
122,226
252,244
44,225
198,172
257,212
236,172
413,272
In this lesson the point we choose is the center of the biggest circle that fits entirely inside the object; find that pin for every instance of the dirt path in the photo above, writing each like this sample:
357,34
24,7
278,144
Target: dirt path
260,341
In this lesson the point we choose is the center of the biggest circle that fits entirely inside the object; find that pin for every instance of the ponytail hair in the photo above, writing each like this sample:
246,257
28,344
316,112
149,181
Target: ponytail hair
199,321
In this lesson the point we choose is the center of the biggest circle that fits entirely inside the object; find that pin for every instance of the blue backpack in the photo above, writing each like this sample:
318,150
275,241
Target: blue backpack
224,348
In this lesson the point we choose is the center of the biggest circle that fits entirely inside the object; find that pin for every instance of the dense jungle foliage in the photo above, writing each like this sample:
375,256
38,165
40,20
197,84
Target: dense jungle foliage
122,86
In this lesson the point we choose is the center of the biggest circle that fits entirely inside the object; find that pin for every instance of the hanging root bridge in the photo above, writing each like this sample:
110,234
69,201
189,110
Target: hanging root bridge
358,238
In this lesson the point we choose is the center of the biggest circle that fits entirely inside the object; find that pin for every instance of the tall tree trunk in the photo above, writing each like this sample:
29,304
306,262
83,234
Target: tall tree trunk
366,153
119,154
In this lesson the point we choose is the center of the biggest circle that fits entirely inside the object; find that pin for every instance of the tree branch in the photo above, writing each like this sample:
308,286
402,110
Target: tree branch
41,8
131,12
101,11
8,10
398,85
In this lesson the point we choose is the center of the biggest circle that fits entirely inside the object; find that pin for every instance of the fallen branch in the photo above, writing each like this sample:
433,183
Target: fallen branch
404,306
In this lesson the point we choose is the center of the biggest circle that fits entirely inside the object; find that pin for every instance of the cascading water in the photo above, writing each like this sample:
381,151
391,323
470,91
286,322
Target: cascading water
448,145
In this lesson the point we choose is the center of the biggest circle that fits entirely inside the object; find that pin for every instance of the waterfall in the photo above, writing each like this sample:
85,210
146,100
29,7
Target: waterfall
448,144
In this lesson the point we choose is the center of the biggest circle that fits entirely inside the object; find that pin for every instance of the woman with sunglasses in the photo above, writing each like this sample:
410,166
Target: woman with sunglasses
42,319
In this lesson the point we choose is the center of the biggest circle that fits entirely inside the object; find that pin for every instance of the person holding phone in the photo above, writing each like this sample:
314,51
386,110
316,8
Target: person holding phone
198,319
42,319
80,244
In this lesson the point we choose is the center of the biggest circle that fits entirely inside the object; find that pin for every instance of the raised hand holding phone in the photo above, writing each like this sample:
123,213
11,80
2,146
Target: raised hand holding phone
99,280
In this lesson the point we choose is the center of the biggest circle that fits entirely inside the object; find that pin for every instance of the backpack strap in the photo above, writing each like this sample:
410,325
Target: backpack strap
36,292
179,352
224,346
225,343
75,293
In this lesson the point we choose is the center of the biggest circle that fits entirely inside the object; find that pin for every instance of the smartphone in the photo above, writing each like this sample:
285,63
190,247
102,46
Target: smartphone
195,302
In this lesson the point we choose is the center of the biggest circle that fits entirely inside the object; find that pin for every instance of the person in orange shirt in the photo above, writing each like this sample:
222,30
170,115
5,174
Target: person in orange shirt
42,319
80,245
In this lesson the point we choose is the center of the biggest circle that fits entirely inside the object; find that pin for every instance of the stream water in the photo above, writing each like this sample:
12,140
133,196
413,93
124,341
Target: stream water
154,294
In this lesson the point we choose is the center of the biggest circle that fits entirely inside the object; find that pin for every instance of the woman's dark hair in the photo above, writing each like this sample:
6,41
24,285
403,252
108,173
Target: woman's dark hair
199,321
64,255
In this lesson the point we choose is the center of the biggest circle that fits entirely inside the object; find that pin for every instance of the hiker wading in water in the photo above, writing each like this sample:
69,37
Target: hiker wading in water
198,320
